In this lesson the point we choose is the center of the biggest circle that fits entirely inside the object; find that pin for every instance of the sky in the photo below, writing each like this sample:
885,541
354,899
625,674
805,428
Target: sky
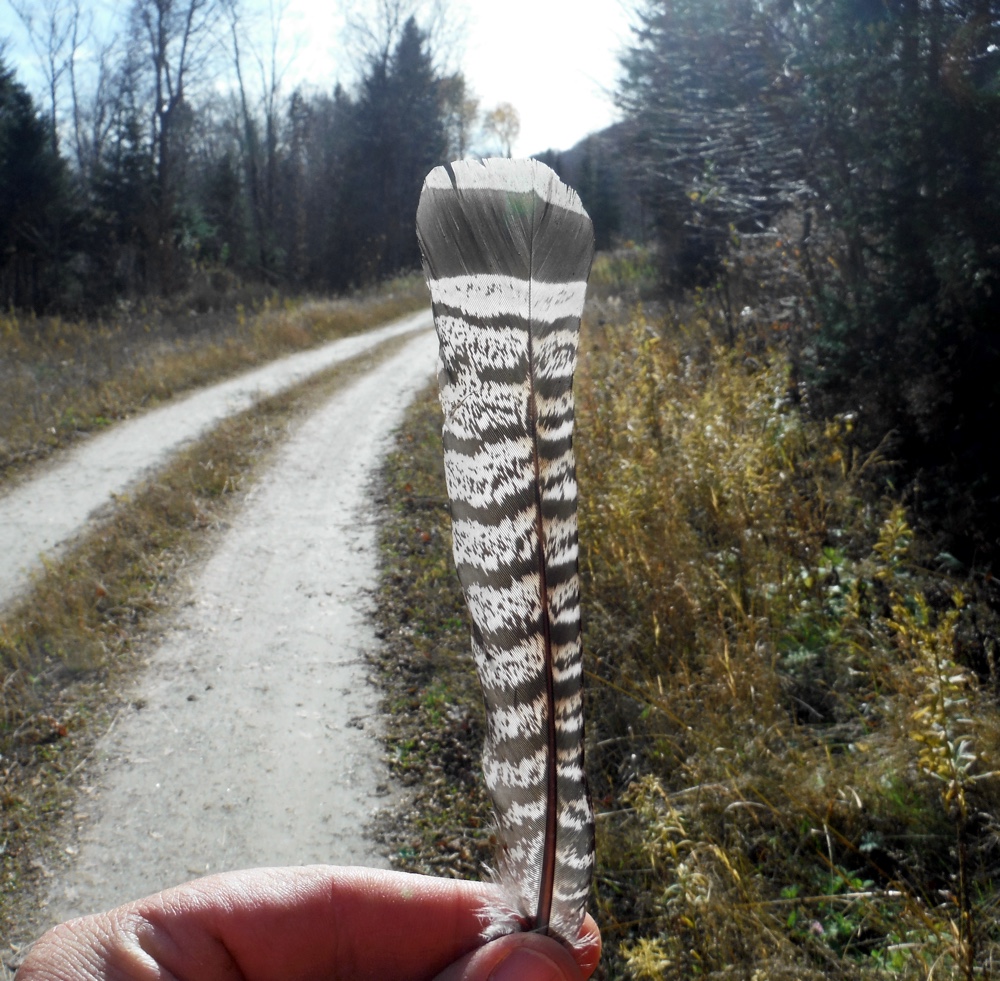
556,61
556,64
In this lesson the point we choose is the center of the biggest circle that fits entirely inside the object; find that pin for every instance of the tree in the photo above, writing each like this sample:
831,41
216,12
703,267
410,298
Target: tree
599,184
173,174
260,125
877,124
503,124
326,152
905,159
398,136
712,147
460,110
125,218
34,206
56,37
178,38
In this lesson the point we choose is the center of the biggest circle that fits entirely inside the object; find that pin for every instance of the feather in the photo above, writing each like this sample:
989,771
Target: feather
507,249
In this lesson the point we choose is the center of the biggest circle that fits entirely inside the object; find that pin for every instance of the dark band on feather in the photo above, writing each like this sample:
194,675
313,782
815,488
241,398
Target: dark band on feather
563,246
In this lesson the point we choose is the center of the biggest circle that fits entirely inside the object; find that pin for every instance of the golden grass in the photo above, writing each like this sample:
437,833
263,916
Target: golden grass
59,378
790,755
792,769
66,648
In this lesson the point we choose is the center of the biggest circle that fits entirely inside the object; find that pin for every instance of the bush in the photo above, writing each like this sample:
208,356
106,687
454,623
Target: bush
797,772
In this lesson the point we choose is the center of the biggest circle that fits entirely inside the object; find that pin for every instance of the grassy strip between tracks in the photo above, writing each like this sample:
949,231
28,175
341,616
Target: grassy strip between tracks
68,647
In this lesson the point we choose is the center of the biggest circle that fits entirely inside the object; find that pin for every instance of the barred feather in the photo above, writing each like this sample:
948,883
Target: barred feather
507,250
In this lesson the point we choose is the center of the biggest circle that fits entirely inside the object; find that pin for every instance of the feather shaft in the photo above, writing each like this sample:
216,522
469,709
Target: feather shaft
507,250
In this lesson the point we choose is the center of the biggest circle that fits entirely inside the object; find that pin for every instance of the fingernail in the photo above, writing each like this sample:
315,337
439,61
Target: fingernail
526,965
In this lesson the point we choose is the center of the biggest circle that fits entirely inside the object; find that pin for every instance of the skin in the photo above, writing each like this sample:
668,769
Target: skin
301,924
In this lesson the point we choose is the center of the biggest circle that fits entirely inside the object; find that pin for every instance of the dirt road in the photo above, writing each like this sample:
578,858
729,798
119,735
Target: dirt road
250,737
41,514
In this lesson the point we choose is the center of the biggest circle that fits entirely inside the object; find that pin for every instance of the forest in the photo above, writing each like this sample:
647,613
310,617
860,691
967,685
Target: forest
179,155
787,404
830,166
831,171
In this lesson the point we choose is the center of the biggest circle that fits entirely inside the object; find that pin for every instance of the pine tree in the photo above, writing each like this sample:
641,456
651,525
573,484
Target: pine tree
34,206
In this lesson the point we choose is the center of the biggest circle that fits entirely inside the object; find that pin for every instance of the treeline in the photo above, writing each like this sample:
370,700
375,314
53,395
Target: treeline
163,173
828,173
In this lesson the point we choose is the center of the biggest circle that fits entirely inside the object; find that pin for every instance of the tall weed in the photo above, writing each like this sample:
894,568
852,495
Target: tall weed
796,775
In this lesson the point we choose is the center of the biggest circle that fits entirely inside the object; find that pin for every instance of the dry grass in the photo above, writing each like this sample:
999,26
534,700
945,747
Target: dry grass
65,649
793,768
797,772
59,379
432,710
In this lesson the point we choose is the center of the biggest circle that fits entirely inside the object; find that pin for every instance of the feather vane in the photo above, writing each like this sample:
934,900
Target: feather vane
507,249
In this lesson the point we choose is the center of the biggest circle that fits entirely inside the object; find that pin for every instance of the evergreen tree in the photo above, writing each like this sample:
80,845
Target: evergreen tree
224,208
698,86
903,103
879,123
124,191
34,206
398,135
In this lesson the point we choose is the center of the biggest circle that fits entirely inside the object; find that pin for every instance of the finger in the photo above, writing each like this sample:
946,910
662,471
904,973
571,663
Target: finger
517,957
322,921
531,957
528,957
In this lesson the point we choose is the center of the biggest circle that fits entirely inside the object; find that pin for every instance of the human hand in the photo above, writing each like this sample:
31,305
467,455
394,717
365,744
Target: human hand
315,922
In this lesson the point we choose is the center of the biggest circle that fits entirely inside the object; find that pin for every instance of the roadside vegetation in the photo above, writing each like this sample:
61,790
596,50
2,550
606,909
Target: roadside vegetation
69,647
62,378
793,737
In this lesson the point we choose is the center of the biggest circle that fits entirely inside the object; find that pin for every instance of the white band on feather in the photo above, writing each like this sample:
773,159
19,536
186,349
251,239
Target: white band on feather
487,295
501,174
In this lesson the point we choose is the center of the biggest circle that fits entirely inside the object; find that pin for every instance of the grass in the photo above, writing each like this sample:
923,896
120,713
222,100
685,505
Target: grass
433,714
60,379
66,649
792,757
793,785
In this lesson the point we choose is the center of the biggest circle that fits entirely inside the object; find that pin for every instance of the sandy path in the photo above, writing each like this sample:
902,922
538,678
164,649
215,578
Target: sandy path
255,742
39,515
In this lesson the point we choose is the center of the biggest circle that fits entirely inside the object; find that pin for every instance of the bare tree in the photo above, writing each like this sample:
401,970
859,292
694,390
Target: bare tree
261,162
371,37
271,74
93,106
56,32
179,39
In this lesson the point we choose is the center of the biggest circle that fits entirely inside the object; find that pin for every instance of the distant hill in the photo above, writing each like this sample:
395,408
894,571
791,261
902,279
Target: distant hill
599,168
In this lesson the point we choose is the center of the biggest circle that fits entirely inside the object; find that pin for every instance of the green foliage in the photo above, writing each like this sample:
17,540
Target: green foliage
629,270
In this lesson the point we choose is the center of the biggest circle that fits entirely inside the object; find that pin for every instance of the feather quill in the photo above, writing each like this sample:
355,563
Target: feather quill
507,250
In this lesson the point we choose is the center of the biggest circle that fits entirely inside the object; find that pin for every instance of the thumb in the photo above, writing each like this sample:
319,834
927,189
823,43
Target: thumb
516,957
